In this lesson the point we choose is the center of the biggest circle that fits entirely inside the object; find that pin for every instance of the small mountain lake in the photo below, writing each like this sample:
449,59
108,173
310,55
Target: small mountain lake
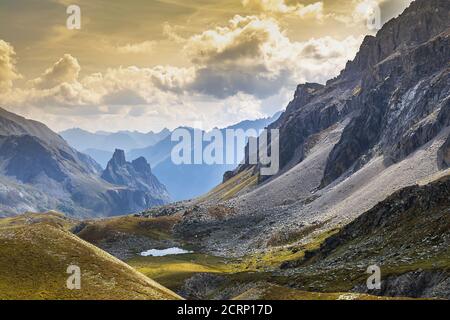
164,252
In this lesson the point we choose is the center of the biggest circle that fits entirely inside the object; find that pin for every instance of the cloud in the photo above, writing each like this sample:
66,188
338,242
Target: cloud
64,70
8,71
235,71
171,32
314,10
135,48
372,14
252,55
115,91
124,97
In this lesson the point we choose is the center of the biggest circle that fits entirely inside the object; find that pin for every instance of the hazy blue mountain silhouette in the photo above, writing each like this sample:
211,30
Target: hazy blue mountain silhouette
39,171
190,181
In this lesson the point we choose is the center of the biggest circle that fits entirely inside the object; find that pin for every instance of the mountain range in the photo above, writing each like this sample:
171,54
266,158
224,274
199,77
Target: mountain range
363,179
101,145
39,171
188,181
184,181
109,141
345,146
364,183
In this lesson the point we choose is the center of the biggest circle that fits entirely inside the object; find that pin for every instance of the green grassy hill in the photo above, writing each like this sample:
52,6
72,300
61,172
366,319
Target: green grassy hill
36,250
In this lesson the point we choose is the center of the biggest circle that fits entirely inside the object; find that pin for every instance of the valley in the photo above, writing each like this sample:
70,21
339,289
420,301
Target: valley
363,185
333,262
331,266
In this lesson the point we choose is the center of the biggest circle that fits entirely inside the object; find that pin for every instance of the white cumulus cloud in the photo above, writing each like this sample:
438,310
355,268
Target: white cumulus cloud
236,71
254,56
65,69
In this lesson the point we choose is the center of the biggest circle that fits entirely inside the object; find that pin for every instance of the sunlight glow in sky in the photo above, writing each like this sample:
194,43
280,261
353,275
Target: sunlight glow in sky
147,64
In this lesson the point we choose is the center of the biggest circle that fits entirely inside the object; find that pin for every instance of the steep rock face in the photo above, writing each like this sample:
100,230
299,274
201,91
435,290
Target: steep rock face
405,110
314,108
417,24
404,100
145,189
39,171
344,147
395,91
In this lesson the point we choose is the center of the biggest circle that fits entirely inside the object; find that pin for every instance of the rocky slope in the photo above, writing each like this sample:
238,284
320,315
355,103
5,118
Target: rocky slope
407,236
39,171
378,127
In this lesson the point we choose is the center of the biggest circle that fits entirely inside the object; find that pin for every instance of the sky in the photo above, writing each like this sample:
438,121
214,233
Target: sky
152,64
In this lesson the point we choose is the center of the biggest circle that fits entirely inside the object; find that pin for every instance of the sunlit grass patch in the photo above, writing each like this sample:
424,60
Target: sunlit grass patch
35,258
172,271
158,228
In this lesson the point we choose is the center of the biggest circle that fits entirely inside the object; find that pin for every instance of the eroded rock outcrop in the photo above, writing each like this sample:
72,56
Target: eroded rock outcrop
404,100
143,188
395,91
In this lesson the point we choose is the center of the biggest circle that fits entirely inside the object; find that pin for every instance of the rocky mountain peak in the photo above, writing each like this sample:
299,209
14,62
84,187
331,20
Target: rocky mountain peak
118,158
39,171
141,165
391,99
421,21
137,175
305,92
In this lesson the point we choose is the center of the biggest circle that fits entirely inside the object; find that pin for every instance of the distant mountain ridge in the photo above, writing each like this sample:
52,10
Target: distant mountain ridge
101,145
190,181
183,182
39,171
